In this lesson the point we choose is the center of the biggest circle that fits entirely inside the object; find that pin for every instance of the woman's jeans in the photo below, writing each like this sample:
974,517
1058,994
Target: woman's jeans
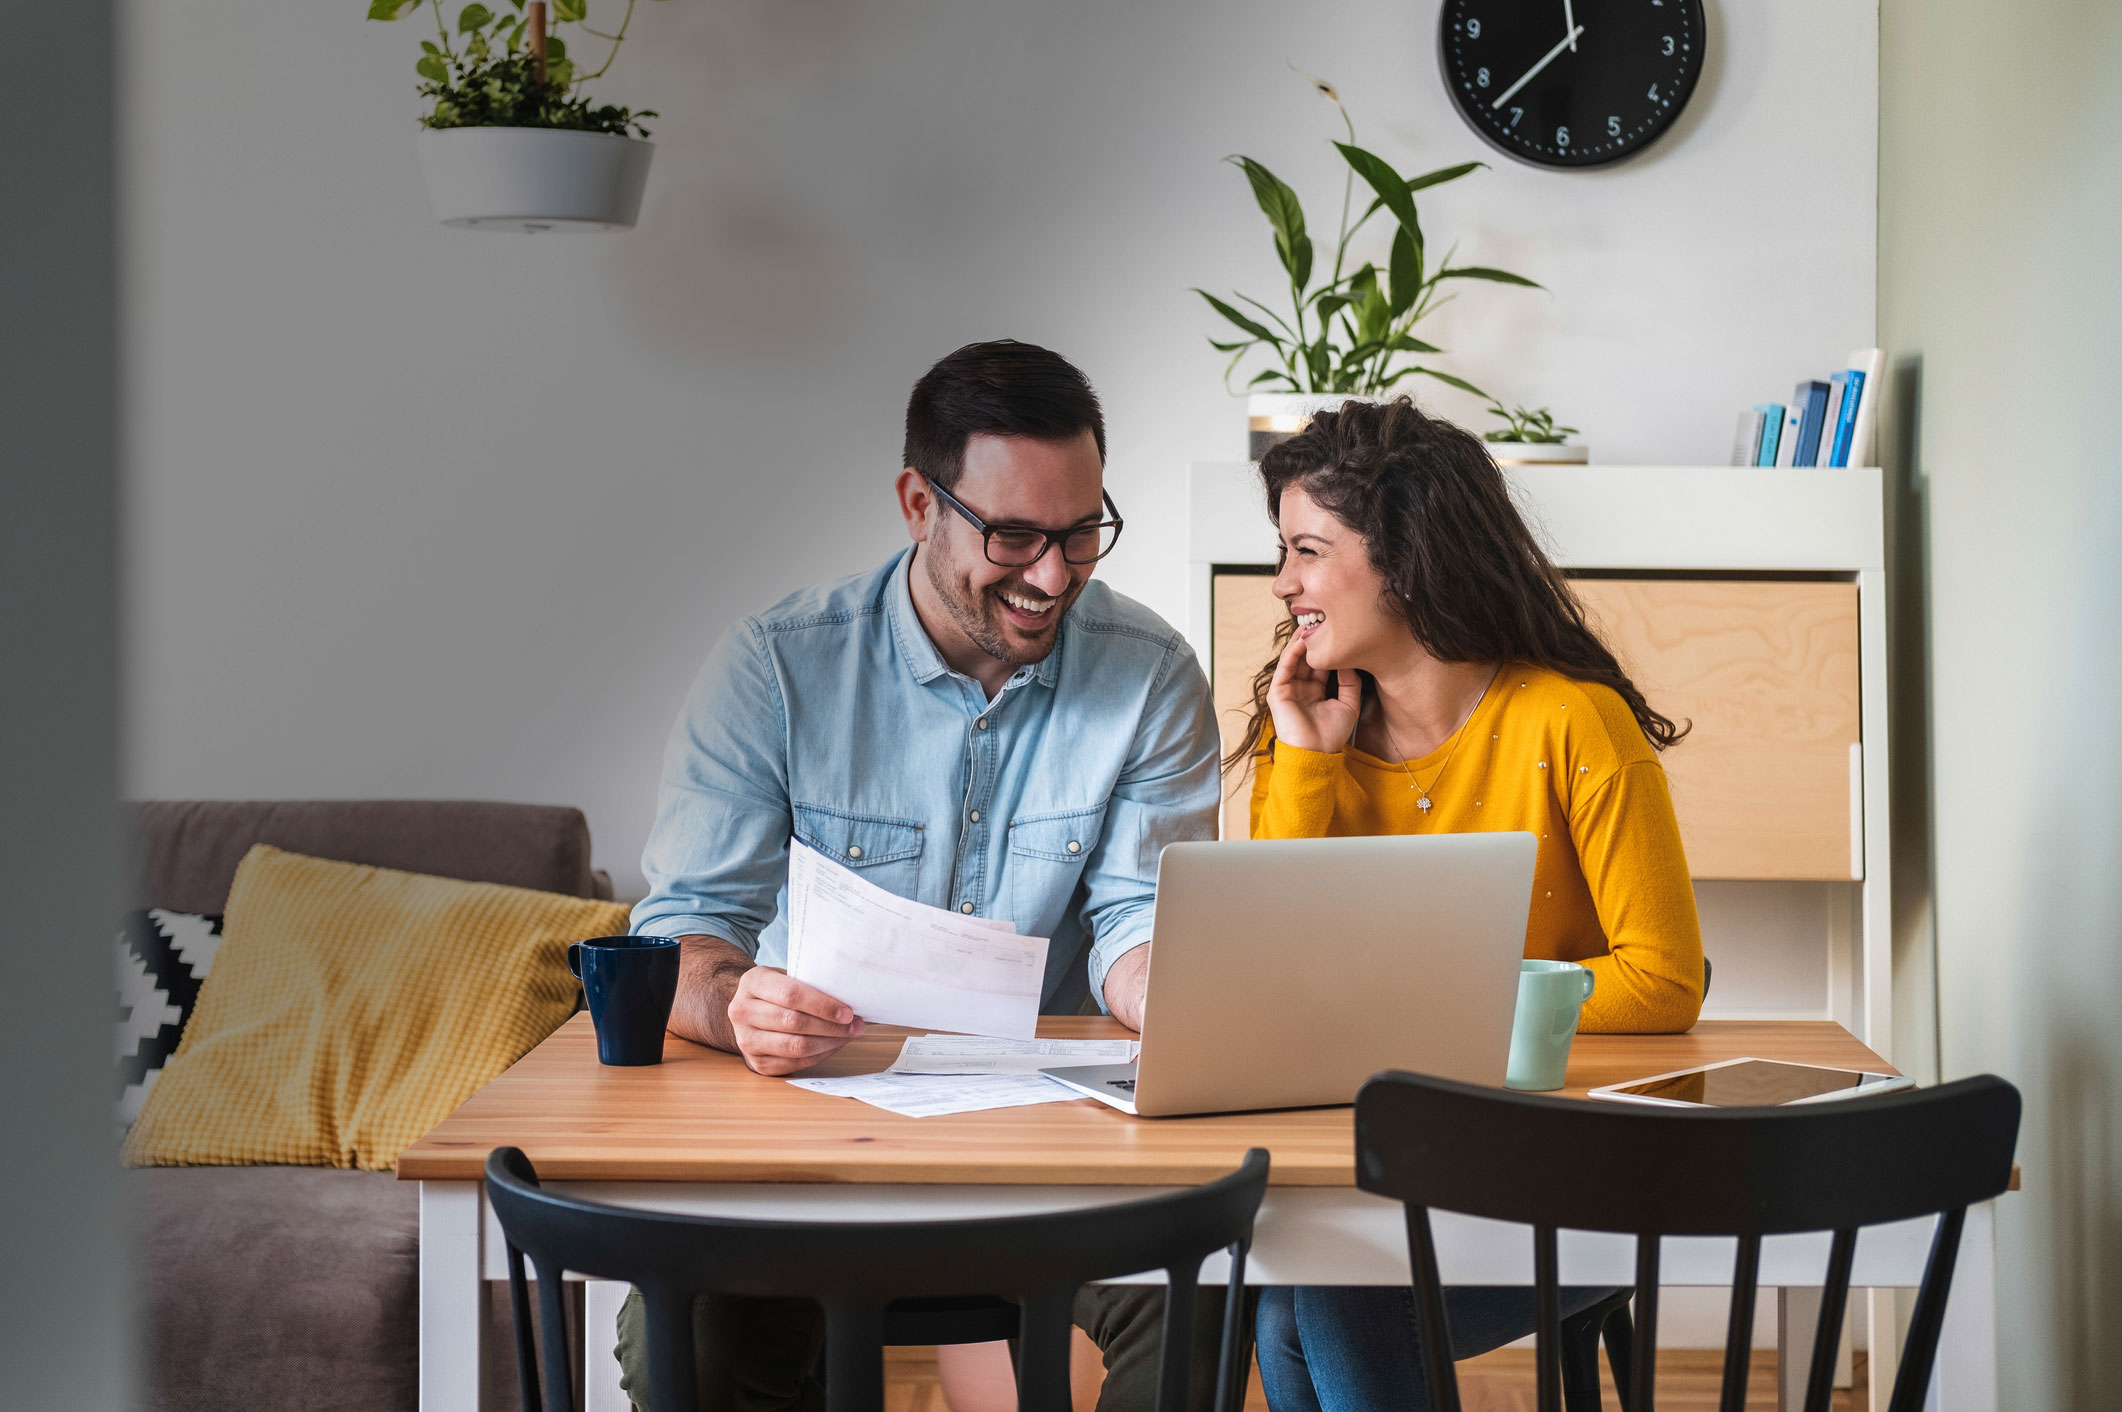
1353,1348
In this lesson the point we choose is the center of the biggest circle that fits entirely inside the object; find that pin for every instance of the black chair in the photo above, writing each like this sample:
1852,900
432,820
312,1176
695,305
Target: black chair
1745,1172
857,1270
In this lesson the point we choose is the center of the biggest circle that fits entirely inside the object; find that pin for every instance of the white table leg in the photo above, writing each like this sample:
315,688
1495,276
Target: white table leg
452,1295
1883,1344
1797,1319
1965,1379
600,1332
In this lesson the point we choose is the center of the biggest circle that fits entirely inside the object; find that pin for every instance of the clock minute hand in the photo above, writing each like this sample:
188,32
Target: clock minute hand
1565,42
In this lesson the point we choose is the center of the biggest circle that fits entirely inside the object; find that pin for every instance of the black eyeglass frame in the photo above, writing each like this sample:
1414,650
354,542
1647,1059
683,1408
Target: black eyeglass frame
1048,539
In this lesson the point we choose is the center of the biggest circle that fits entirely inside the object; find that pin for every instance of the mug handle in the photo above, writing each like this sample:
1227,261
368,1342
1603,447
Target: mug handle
574,959
1590,982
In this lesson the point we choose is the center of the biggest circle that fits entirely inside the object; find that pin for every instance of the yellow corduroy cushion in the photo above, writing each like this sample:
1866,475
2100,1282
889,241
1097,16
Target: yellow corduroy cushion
351,1008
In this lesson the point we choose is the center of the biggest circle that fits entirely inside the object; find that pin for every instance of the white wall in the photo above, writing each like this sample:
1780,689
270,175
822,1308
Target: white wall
422,512
2000,203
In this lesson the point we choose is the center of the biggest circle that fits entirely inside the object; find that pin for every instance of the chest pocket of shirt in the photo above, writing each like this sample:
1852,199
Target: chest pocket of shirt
884,850
1046,857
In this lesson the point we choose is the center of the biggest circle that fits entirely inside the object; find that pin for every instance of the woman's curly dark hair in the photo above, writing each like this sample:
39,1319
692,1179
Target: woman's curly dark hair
1459,564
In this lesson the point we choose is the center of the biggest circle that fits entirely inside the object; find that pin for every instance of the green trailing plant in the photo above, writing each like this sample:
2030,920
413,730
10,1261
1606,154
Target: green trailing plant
1353,330
1536,426
485,75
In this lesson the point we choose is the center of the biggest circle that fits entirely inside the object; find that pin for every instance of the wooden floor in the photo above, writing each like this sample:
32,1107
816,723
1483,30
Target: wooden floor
1496,1382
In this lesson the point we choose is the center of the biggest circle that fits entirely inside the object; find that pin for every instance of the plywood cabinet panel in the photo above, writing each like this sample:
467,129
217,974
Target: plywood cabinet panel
1246,615
1767,671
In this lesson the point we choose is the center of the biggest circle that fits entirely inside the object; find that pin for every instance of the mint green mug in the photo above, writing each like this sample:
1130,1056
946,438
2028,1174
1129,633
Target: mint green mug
1551,995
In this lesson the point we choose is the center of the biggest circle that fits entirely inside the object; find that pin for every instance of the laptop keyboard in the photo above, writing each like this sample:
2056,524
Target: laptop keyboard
1124,1085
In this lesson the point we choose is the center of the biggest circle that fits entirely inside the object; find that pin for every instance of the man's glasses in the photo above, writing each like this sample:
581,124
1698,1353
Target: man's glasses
1020,546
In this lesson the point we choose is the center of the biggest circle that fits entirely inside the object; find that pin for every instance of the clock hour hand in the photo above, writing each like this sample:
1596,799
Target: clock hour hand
1569,22
1567,41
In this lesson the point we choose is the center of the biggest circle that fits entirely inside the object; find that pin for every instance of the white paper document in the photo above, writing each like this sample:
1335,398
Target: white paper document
930,1095
977,1054
899,962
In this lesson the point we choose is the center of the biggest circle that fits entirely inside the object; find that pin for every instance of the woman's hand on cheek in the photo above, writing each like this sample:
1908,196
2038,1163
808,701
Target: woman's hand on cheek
1308,711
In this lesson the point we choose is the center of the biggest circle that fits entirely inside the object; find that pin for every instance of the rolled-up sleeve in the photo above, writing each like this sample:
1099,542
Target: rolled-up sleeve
1166,793
718,854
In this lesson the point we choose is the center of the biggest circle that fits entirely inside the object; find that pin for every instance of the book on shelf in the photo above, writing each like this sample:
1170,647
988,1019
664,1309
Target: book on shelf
1872,363
1771,433
1787,444
1746,445
1812,396
1837,385
1846,418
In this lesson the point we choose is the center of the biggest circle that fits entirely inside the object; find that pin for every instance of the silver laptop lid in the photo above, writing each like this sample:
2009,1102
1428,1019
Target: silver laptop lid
1287,971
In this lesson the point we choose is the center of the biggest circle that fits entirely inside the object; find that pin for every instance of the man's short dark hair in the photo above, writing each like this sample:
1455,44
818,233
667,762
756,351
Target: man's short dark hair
1003,388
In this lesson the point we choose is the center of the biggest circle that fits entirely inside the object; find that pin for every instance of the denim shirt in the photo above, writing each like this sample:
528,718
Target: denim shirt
831,717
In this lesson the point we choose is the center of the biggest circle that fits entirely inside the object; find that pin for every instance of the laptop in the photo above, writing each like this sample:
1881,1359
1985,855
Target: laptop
1287,971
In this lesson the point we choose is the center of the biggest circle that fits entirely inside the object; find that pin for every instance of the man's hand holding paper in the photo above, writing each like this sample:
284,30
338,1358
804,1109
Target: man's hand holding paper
894,961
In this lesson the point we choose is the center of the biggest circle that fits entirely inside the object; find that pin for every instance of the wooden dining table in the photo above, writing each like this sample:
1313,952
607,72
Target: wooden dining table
701,1133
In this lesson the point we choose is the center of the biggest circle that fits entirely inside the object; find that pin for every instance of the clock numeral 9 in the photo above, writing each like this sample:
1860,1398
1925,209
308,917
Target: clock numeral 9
1561,137
1613,127
1473,29
1668,46
1481,77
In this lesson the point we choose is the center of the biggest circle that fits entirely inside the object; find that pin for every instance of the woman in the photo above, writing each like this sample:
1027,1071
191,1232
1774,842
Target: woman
1436,676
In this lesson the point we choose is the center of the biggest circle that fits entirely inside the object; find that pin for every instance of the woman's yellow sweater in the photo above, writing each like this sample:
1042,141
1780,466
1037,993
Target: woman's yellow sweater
1561,759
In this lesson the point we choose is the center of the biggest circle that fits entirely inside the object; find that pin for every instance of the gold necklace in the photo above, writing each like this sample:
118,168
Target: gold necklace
1422,800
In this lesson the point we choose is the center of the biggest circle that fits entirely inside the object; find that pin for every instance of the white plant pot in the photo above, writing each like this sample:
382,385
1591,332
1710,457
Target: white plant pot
533,179
1537,453
1273,417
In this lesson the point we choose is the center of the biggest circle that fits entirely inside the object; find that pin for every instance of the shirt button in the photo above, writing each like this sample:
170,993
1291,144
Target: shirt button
854,850
966,908
981,723
976,816
1074,847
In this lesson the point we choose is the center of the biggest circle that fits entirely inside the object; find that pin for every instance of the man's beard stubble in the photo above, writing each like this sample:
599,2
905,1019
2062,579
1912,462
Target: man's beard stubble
979,616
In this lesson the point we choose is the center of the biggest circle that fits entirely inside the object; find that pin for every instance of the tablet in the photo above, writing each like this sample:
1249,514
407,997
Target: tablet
1750,1083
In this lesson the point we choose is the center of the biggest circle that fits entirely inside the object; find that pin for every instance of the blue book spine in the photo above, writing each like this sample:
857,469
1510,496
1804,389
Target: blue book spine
1846,424
1811,395
1771,428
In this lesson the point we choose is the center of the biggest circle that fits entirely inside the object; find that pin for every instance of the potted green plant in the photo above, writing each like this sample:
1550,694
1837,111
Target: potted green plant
1531,438
509,141
1348,329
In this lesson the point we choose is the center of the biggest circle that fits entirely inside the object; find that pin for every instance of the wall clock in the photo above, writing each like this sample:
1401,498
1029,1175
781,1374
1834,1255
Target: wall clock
1570,83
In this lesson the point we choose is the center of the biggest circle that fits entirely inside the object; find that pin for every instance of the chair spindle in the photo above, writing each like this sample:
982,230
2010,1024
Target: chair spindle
1912,1379
1547,1320
1739,1332
1643,1358
1827,1333
526,1349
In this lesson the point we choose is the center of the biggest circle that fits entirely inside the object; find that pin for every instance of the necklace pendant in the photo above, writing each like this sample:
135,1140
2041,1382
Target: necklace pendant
1422,803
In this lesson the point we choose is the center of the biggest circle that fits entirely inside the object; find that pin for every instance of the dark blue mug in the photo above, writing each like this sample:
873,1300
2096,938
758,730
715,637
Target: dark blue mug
631,982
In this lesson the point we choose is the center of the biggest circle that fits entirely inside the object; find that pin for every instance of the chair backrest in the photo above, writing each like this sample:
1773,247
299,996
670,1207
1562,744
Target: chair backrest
854,1269
1556,1163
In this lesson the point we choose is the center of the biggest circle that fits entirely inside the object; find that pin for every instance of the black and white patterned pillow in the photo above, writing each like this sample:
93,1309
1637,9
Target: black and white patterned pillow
162,958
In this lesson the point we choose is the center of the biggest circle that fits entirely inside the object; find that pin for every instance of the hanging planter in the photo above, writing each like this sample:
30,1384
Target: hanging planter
510,144
533,179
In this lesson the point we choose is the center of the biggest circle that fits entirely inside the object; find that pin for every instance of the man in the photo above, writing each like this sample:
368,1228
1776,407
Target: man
976,725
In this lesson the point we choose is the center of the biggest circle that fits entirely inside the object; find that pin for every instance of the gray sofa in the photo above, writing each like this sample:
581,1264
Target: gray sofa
265,1288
